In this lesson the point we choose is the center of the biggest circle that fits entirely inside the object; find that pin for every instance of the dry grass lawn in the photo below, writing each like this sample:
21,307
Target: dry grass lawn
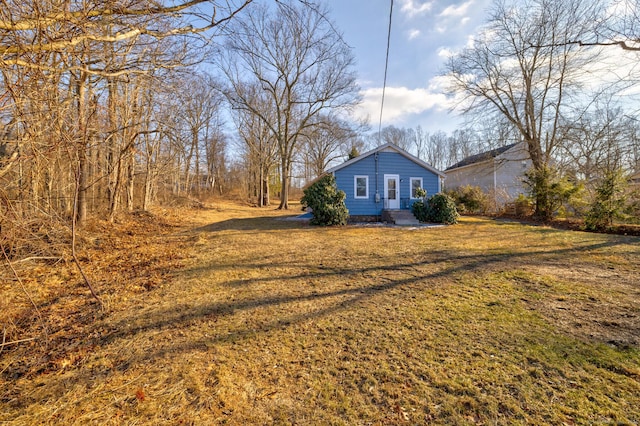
232,315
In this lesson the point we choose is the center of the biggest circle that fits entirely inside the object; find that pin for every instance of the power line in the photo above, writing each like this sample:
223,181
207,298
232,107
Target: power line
386,66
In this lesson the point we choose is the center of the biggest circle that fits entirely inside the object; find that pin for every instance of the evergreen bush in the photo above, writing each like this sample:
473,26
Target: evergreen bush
549,189
608,204
470,199
419,210
326,202
524,206
440,208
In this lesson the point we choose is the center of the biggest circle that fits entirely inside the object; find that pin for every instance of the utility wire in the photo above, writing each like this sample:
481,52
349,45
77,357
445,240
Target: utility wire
386,66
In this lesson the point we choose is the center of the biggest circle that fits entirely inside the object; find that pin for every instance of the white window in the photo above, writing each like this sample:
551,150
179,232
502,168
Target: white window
361,186
416,183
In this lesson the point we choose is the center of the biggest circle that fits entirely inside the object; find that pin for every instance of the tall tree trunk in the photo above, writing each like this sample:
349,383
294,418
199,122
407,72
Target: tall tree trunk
197,171
285,169
113,157
131,166
259,185
81,147
151,169
265,190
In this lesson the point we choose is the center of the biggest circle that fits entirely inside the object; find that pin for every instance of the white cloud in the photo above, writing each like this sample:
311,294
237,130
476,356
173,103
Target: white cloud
456,11
400,103
441,28
414,34
415,7
445,52
613,69
454,16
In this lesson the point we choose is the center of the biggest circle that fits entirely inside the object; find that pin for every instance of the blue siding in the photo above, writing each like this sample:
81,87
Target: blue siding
388,163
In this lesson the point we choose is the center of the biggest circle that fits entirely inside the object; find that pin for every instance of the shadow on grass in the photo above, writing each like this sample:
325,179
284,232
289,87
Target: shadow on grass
264,223
445,264
385,277
464,262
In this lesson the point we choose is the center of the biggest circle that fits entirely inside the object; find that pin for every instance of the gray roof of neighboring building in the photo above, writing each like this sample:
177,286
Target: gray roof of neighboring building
483,156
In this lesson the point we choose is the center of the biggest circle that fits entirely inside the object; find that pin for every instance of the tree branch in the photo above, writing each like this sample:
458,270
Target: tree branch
624,44
80,15
9,163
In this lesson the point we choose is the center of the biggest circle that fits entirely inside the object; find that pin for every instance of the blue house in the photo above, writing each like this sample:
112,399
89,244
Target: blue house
384,179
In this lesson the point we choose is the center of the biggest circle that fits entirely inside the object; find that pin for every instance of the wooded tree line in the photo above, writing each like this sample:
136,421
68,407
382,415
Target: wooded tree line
99,107
593,144
108,106
112,106
441,149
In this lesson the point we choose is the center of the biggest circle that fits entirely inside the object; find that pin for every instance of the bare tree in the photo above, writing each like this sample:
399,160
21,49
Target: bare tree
619,25
520,69
259,144
216,158
462,144
324,143
399,136
436,153
495,132
303,66
421,143
599,143
198,115
56,61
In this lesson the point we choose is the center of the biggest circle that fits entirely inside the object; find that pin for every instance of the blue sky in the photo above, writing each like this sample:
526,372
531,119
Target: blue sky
422,33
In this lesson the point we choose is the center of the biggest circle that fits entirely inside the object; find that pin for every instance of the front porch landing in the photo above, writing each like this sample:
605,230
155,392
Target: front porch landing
400,217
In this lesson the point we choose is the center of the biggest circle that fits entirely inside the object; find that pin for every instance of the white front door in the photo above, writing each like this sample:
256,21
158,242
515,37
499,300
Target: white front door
392,191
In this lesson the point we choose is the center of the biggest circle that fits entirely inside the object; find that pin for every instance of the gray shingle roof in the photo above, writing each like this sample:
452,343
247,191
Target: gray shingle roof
483,156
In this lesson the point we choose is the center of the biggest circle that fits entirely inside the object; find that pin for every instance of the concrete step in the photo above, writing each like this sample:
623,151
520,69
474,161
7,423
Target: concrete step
401,217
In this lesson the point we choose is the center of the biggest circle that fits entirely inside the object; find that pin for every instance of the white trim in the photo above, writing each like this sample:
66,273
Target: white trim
396,201
411,186
355,187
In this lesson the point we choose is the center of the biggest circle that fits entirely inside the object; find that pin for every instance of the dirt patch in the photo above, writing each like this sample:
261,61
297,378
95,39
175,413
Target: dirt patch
602,303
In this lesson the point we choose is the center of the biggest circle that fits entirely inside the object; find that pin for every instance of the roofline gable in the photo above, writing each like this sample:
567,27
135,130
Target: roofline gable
483,157
381,148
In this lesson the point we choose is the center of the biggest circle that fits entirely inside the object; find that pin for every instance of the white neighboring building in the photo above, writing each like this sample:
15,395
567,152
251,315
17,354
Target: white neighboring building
498,172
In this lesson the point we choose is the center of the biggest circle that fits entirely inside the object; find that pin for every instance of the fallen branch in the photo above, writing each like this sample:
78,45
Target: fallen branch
15,342
27,259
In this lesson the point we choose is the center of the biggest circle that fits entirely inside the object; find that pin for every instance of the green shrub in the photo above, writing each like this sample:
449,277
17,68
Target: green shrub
549,189
470,199
632,208
438,209
608,204
442,209
326,202
524,206
419,210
